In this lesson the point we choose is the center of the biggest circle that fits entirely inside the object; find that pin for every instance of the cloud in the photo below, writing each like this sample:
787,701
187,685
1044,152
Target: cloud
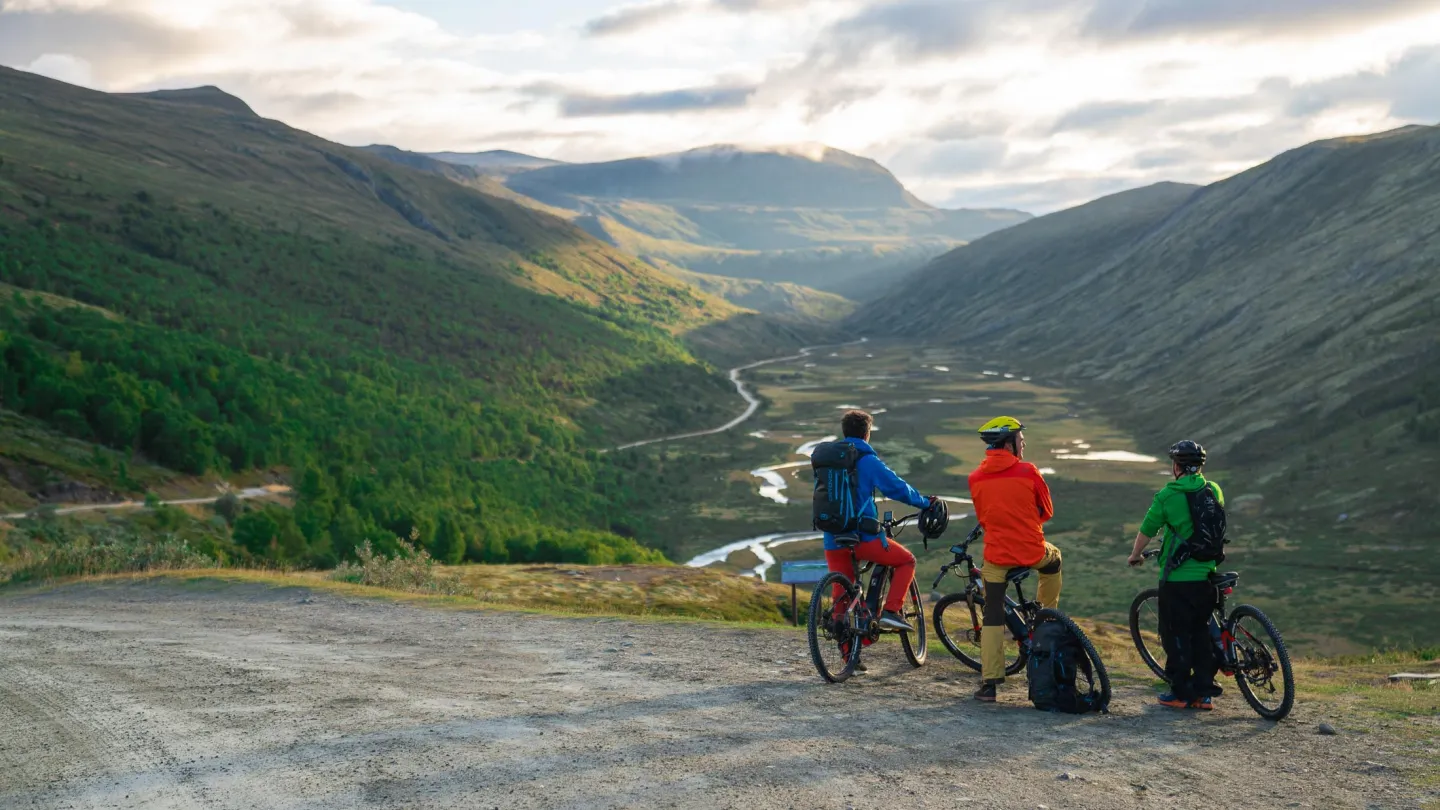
910,30
62,67
109,41
949,157
634,19
1408,86
1189,17
1041,197
630,19
1028,103
669,101
964,129
825,100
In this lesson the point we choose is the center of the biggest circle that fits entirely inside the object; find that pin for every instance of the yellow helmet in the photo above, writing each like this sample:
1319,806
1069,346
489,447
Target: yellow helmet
998,430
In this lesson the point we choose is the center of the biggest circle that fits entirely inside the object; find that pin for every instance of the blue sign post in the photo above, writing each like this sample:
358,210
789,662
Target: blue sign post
801,572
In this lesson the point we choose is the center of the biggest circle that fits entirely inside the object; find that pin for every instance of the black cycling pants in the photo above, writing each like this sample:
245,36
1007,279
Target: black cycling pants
1190,664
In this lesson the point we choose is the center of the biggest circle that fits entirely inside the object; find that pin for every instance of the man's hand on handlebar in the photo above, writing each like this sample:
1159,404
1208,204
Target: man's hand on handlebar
1136,559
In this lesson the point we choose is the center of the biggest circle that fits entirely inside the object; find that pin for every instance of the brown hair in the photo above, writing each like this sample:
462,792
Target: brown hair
856,424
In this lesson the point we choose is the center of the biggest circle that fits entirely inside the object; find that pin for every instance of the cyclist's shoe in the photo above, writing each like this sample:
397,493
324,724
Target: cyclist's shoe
892,620
1169,699
860,667
986,693
1205,704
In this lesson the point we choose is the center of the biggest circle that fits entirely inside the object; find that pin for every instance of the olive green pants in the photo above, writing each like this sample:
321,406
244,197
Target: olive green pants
992,635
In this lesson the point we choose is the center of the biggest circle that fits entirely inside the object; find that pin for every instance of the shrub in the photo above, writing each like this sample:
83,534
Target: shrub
410,569
104,550
228,506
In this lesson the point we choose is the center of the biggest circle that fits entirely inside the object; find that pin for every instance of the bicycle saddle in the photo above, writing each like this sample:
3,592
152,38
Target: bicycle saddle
1226,579
847,540
1017,574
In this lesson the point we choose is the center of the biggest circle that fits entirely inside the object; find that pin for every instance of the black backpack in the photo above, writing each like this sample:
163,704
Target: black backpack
1059,670
1207,542
836,507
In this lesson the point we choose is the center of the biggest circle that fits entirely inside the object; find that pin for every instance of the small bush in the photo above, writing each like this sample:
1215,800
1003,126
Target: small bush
410,569
228,506
104,550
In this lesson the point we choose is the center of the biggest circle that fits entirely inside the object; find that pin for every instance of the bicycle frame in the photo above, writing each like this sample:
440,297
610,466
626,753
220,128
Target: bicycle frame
866,626
1019,611
1222,633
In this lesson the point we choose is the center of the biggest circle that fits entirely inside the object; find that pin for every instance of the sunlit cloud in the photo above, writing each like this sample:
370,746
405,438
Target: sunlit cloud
1027,103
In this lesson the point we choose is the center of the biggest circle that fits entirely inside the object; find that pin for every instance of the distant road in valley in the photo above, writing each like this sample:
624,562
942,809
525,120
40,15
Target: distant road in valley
752,402
243,494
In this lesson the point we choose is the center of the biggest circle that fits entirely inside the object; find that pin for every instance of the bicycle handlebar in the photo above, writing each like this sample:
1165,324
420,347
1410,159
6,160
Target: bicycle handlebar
961,555
897,522
1148,555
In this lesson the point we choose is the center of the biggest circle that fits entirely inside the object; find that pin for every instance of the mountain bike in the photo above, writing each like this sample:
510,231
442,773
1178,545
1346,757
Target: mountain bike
961,636
844,615
1240,646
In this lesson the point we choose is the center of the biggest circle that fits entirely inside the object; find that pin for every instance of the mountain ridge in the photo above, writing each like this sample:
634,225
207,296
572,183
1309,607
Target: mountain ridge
1261,314
417,358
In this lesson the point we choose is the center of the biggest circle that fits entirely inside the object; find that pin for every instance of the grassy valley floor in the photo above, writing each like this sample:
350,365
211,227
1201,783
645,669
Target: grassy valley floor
1327,594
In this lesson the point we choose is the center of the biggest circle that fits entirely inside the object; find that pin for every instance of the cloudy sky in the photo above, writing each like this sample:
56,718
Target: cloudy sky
1036,104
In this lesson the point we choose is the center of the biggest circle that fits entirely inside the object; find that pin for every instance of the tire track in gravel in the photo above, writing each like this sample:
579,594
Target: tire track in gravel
211,695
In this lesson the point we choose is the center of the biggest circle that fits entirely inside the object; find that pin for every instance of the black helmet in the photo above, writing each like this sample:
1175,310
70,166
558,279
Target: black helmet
1189,455
934,519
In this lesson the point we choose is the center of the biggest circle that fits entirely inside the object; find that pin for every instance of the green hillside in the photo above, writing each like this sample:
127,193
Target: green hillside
824,219
411,353
775,298
1287,317
665,239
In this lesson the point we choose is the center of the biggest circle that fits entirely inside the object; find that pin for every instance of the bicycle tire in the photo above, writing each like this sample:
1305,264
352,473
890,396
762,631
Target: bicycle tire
821,612
1242,678
1097,665
916,650
967,648
1136,631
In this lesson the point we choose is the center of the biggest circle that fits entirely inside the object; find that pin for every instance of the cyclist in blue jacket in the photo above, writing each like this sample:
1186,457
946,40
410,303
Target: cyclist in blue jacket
872,475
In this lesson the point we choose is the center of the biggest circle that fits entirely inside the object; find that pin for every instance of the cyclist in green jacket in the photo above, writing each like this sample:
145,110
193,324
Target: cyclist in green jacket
1186,596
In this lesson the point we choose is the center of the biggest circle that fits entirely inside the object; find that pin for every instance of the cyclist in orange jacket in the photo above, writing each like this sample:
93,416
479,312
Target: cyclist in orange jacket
1012,503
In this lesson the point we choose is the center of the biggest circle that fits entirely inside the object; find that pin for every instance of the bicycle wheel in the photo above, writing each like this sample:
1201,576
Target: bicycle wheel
833,647
1098,679
962,635
1258,663
915,648
1145,629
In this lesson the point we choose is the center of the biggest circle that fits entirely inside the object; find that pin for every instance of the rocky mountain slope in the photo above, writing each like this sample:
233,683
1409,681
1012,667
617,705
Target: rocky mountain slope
1287,317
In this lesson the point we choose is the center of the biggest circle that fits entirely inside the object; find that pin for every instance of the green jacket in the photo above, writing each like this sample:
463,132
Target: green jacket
1171,511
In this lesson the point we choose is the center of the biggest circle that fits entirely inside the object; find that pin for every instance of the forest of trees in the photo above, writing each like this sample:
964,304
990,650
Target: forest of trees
400,391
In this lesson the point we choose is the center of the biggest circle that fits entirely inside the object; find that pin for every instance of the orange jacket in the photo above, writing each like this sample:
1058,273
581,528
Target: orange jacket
1012,502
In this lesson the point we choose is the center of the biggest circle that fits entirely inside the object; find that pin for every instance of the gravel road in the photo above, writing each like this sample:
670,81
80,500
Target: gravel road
162,694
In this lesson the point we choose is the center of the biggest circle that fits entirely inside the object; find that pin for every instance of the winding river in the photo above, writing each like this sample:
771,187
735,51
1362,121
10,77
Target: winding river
773,481
772,488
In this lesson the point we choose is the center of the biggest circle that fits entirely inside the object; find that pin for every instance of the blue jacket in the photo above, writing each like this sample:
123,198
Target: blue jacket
872,474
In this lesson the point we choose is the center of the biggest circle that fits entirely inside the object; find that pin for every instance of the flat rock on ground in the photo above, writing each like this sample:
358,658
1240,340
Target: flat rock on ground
161,694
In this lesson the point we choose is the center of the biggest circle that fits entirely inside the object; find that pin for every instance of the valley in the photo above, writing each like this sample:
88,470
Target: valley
418,348
1328,595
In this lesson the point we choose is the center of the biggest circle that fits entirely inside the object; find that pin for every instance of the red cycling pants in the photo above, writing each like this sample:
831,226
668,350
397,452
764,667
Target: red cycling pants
896,557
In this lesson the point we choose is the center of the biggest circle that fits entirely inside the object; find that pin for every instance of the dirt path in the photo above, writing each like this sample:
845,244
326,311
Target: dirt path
169,695
242,494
